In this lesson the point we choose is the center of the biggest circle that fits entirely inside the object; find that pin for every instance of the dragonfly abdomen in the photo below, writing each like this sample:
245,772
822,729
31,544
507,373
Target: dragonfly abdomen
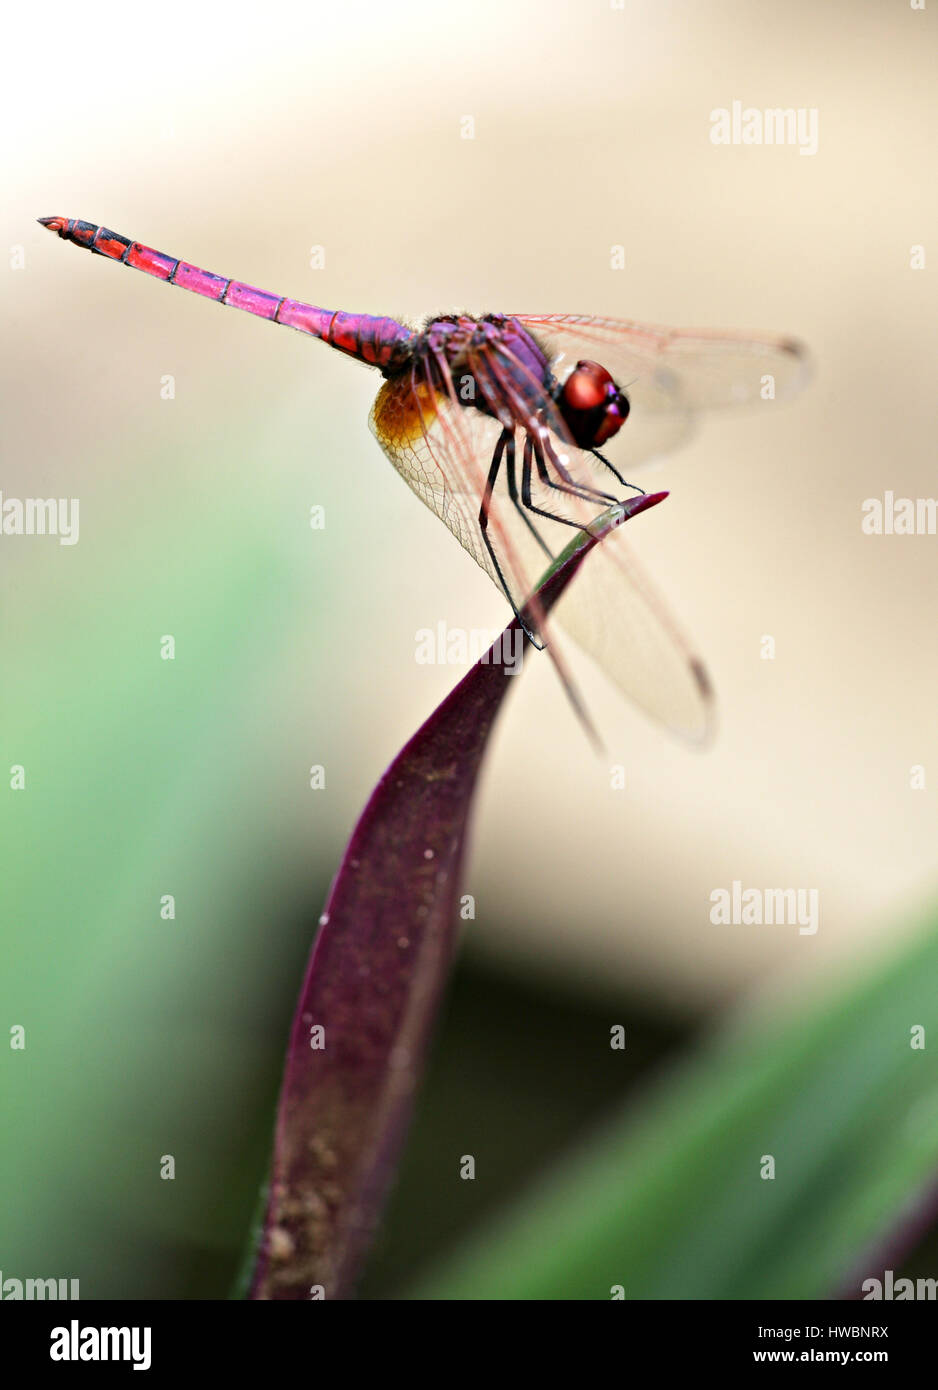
379,342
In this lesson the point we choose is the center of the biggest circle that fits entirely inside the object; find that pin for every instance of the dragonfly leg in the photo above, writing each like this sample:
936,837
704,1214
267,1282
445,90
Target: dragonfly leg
505,440
532,449
513,494
588,494
602,458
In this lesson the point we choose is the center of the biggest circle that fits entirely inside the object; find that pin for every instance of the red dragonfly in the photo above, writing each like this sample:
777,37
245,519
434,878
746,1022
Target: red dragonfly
499,424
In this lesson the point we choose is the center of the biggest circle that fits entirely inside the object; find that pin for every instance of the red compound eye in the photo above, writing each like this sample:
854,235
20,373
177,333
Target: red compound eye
587,387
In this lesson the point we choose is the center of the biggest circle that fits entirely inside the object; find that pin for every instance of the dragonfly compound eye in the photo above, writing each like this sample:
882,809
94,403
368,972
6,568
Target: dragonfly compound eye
586,386
592,405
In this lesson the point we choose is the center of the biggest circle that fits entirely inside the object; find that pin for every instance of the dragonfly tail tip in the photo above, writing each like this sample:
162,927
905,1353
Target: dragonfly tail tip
55,224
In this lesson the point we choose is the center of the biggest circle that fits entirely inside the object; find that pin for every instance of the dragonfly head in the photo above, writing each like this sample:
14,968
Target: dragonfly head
592,405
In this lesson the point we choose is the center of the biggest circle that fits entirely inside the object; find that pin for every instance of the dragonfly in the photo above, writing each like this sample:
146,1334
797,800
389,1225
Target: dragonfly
515,428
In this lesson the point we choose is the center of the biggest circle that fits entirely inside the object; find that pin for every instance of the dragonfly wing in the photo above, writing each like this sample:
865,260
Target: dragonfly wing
613,612
691,368
669,374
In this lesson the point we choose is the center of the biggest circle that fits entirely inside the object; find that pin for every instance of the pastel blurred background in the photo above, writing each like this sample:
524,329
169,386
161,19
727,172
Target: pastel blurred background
242,139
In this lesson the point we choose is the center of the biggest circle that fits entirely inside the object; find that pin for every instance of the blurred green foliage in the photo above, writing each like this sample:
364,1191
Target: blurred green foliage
669,1202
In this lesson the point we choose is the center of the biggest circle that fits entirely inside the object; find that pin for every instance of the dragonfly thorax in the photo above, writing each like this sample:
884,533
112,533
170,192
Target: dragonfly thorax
492,364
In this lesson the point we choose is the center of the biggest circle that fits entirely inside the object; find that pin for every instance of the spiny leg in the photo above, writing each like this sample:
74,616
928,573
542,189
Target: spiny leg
586,494
532,450
602,458
505,439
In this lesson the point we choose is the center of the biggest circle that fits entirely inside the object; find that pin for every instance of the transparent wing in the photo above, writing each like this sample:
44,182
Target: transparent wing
444,453
615,615
685,368
669,374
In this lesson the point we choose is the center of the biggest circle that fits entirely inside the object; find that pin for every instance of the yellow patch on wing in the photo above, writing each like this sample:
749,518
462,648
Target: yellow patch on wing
402,412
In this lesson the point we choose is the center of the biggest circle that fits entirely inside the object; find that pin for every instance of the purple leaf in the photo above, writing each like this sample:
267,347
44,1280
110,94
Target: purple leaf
374,982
